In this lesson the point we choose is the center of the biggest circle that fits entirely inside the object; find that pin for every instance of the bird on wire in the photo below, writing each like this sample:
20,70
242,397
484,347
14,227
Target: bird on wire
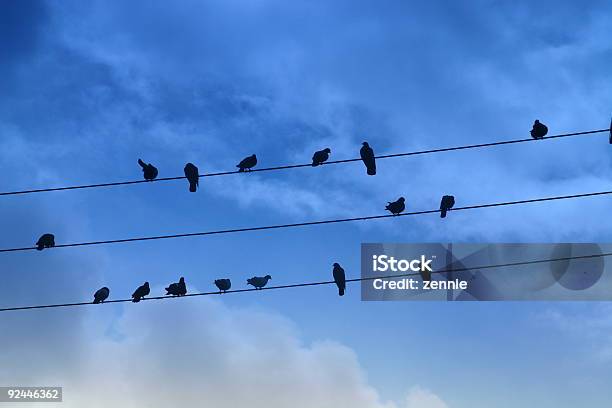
259,281
539,130
223,285
247,163
447,202
149,171
101,295
141,292
45,241
193,176
367,156
396,207
339,278
177,289
321,156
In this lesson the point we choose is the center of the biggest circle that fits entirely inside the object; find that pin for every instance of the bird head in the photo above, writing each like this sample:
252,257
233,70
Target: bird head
146,284
537,122
401,199
268,277
336,264
365,144
182,280
327,150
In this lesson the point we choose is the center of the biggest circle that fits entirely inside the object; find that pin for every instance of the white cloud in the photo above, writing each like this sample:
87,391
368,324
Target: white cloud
591,329
199,352
422,398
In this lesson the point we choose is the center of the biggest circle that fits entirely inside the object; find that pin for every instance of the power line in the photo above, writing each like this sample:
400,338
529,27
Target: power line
302,224
295,166
320,283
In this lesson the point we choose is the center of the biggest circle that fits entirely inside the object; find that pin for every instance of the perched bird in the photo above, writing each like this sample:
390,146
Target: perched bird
177,289
448,201
320,156
367,155
148,170
101,295
193,176
45,241
539,130
247,163
258,281
396,207
223,284
141,292
339,278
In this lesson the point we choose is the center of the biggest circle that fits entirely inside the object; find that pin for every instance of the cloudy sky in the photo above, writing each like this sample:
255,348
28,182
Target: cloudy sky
87,88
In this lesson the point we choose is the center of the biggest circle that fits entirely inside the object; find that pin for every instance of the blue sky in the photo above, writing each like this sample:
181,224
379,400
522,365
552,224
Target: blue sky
89,87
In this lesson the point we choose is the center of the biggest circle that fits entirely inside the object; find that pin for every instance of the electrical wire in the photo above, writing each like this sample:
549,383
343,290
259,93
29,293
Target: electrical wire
320,283
295,166
309,223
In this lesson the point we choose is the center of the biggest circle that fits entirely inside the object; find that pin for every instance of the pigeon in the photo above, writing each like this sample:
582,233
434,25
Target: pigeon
320,156
539,130
193,175
101,295
367,155
177,289
259,282
247,163
339,278
448,201
396,207
45,241
148,170
223,284
141,292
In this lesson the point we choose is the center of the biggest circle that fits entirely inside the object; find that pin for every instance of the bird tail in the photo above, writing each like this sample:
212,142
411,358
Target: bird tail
96,301
372,170
142,164
341,291
314,164
193,186
443,213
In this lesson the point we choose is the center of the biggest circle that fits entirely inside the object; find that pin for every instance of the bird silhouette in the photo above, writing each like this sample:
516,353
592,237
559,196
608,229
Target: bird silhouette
141,292
539,130
101,295
367,155
447,202
148,170
193,176
247,163
320,156
258,281
339,278
45,241
396,207
223,284
177,289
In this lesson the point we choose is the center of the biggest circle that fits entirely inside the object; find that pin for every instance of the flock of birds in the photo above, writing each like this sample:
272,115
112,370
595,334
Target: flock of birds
180,288
192,174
